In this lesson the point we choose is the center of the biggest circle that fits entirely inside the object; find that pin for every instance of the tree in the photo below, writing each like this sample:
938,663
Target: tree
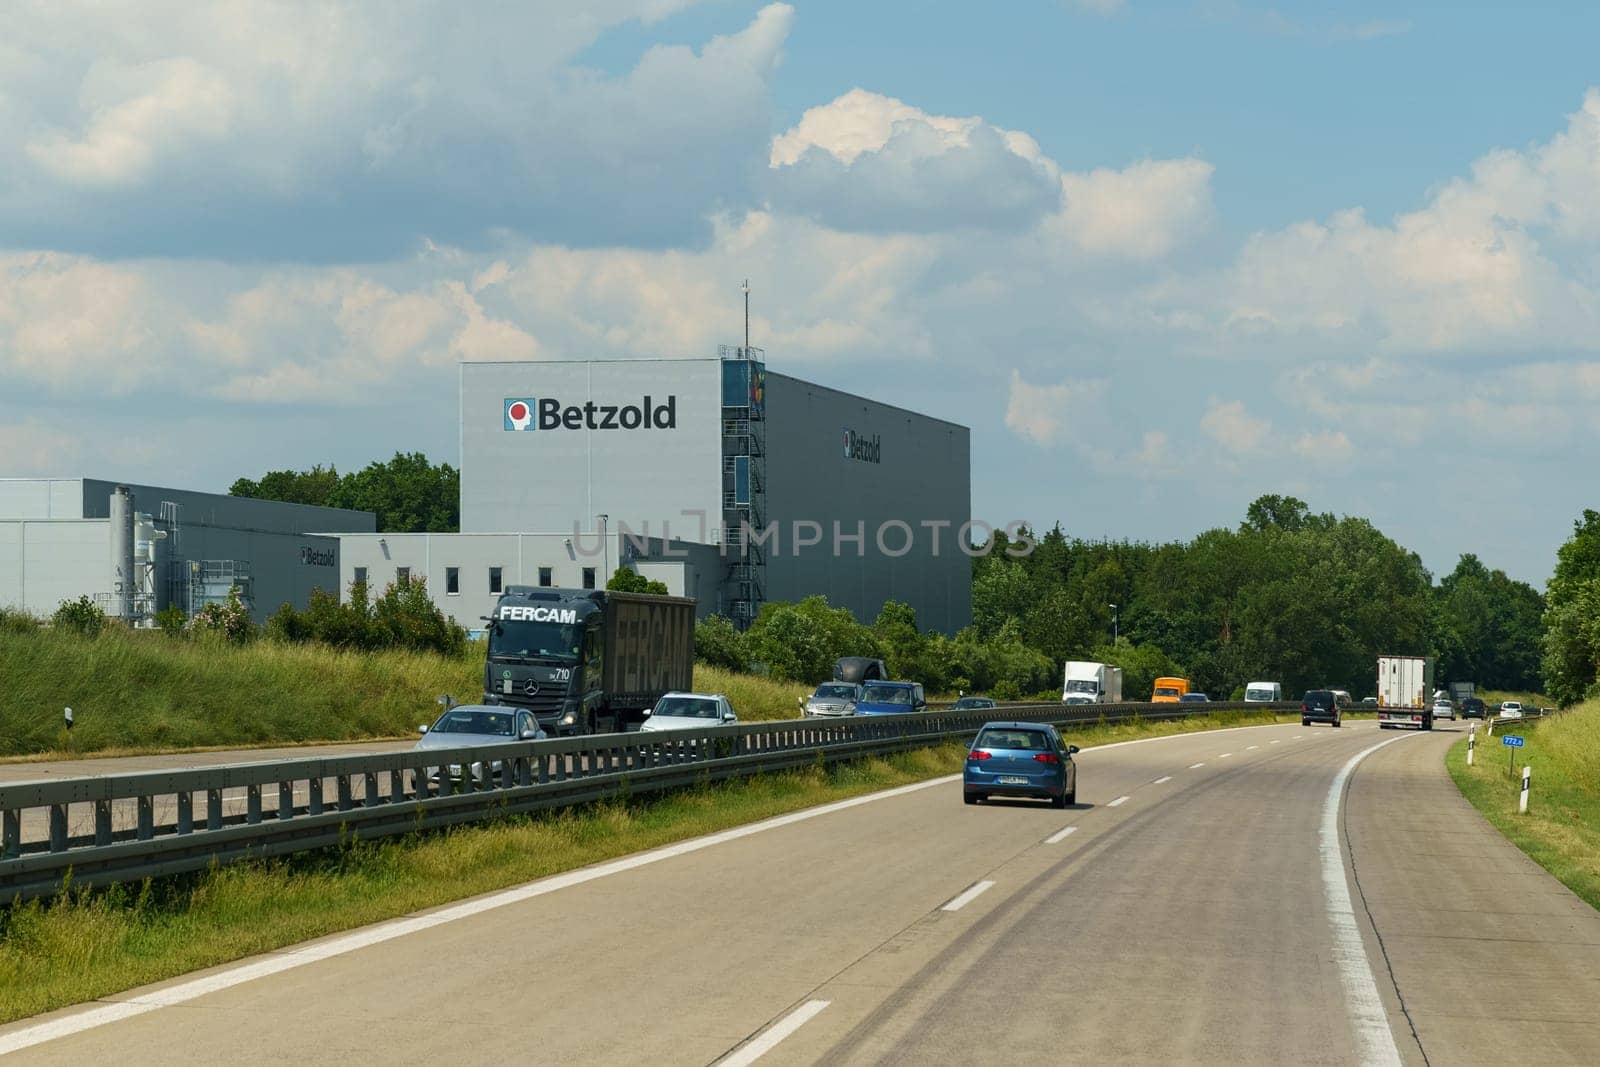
314,486
1571,620
407,494
1274,512
628,580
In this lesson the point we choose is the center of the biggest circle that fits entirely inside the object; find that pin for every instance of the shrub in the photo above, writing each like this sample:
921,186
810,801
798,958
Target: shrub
628,580
17,621
404,617
230,621
81,616
172,620
718,643
799,642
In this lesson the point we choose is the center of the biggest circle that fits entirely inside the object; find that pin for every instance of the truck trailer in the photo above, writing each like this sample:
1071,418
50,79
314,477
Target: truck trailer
586,660
1091,683
1405,692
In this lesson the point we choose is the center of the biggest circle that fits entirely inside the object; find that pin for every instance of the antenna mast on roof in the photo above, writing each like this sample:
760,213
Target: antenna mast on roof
745,288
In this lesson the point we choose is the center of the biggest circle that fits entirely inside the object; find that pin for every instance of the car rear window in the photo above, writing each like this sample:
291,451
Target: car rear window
1318,698
1025,740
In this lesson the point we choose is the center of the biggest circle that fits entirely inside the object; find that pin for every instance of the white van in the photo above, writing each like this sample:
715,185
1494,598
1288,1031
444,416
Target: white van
1263,693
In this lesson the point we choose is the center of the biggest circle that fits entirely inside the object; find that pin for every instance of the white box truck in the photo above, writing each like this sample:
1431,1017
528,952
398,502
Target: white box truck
1263,692
1091,683
1405,688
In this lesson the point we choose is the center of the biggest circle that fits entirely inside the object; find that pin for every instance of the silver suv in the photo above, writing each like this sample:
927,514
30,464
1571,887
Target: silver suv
833,699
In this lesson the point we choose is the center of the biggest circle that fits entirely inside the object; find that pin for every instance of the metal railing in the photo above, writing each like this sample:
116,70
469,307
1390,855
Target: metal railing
126,827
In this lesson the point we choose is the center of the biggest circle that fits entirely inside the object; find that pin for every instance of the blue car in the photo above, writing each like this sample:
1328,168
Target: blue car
1020,759
891,698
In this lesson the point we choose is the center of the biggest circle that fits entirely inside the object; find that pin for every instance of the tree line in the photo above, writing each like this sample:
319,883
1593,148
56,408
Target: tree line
408,494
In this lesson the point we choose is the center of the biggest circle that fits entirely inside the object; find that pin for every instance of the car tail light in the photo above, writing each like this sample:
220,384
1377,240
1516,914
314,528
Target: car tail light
1047,757
979,753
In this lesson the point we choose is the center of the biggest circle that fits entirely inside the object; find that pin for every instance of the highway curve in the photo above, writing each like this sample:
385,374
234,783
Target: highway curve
1200,909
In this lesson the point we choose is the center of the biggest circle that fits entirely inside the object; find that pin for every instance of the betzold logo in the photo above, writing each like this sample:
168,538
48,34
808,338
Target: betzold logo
860,446
519,413
645,415
316,557
521,613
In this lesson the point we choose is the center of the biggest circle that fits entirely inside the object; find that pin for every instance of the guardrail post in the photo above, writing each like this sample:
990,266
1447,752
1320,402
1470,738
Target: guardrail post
213,809
314,786
102,822
252,804
11,835
185,813
146,817
369,790
58,828
346,799
285,801
397,787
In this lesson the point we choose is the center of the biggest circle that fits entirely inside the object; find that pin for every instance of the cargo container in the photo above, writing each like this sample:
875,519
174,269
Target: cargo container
1404,687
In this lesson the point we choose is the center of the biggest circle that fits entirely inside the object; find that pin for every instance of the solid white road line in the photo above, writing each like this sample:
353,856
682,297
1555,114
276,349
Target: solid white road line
1374,1041
1061,835
1119,800
1194,766
750,1053
290,957
972,893
1163,778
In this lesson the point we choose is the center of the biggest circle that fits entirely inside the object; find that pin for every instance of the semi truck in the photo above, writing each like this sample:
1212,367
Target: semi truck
1460,691
1405,692
586,660
1091,683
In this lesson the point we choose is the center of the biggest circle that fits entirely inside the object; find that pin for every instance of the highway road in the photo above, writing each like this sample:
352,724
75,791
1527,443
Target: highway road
1263,895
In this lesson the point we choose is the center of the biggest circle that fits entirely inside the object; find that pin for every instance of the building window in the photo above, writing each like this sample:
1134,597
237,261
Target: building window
494,579
452,581
361,576
402,576
545,577
588,577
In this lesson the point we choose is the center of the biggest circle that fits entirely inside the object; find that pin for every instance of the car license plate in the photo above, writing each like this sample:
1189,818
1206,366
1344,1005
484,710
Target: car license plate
1012,779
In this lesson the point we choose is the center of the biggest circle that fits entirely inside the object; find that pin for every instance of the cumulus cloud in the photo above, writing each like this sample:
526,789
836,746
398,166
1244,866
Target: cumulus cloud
867,162
1044,414
1143,211
1229,425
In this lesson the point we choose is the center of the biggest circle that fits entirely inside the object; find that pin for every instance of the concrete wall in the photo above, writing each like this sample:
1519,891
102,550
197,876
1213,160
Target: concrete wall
515,480
921,474
519,557
42,498
46,561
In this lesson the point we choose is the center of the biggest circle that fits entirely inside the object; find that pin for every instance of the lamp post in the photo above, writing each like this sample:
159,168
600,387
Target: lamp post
1114,631
605,549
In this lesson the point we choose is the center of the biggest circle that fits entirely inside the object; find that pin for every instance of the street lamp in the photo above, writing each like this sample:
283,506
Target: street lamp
605,549
1114,633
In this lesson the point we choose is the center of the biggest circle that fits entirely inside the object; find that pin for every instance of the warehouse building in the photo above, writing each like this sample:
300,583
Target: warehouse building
136,549
729,482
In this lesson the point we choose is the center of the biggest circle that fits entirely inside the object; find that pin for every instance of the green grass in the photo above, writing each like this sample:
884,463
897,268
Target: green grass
1496,696
84,945
1561,831
142,691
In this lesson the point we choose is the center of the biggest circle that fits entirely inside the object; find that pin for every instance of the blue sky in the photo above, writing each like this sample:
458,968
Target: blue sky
1162,257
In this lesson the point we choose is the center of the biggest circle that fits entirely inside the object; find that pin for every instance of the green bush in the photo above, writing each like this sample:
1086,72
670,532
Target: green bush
82,616
172,620
403,618
628,580
799,642
17,621
718,643
230,621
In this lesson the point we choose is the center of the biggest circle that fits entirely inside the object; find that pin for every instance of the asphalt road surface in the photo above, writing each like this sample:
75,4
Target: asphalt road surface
1264,895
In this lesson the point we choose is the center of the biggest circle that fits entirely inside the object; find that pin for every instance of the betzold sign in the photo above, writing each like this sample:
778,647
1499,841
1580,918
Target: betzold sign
524,613
317,557
546,413
860,446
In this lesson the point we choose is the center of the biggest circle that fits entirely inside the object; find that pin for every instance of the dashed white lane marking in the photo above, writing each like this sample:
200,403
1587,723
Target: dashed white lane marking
1374,1042
1194,766
769,1038
1163,778
968,897
1061,835
1252,747
1119,800
1275,742
1225,755
1296,737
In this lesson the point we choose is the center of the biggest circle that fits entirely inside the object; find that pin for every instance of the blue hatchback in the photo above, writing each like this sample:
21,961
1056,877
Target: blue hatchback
891,698
1020,759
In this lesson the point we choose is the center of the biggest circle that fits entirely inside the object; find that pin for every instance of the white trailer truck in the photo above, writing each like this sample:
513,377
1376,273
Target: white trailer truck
1091,683
1405,692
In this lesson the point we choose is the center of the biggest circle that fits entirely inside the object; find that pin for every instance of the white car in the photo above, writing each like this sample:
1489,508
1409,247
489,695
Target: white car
1444,708
689,711
1511,709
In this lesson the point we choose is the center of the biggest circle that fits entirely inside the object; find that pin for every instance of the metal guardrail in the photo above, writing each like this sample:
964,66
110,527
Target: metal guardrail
116,828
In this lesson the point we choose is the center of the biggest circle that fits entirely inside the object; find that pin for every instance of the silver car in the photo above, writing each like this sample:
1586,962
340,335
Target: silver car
1444,708
473,725
689,711
833,699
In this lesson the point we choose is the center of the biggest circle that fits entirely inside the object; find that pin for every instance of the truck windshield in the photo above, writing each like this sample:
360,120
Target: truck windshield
1083,685
1258,694
886,694
523,638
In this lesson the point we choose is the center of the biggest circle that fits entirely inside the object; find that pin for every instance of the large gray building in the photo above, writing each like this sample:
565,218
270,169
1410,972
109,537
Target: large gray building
799,488
136,549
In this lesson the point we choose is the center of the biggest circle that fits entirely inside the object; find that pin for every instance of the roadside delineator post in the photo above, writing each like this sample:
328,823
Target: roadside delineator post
1472,739
1522,802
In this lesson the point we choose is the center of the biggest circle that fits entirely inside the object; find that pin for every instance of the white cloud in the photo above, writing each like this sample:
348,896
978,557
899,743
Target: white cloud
1229,425
1143,211
1045,414
1329,446
1099,7
66,321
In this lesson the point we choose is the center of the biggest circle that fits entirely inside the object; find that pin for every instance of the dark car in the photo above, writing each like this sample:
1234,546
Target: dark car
973,704
891,698
1474,708
1194,698
1323,705
1020,759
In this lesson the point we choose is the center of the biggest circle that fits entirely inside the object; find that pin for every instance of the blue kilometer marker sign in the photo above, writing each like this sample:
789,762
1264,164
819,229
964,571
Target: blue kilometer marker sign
1511,740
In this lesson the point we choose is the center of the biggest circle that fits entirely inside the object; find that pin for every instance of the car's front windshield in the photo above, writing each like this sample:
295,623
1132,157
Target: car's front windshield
686,708
886,694
456,721
525,638
835,692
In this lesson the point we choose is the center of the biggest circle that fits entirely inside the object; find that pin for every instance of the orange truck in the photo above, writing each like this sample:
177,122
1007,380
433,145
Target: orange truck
1168,690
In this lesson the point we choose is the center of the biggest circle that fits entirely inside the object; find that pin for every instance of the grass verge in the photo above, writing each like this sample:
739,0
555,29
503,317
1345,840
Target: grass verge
1561,831
83,945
